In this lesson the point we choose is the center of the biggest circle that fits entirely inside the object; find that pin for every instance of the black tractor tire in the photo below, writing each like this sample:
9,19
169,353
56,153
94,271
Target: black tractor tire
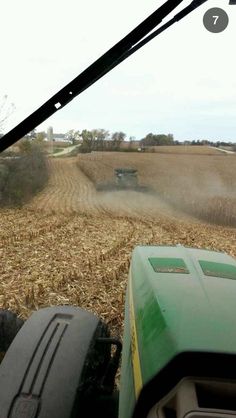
10,324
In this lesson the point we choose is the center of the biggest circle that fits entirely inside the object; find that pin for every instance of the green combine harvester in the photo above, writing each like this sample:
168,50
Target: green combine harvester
124,179
179,347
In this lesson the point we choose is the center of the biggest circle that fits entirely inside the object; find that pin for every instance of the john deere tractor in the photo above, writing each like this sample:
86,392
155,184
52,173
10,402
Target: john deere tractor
179,347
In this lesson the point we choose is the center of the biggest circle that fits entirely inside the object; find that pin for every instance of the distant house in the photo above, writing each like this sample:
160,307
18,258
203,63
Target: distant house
61,138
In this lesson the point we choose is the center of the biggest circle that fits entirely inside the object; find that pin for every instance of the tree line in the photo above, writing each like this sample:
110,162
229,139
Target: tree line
103,140
157,139
96,139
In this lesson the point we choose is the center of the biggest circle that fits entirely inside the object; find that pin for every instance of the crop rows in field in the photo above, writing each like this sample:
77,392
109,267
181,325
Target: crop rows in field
201,185
84,260
72,245
70,191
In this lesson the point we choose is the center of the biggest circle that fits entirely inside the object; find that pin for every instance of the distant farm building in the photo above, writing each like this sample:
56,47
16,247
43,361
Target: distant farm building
61,138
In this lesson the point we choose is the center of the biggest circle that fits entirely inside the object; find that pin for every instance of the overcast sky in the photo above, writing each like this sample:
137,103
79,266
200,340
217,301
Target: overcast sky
183,82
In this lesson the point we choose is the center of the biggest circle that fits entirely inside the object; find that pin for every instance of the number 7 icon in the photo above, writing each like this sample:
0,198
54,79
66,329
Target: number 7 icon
216,18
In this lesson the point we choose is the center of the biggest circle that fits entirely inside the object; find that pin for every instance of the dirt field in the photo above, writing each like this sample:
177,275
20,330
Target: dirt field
186,149
72,245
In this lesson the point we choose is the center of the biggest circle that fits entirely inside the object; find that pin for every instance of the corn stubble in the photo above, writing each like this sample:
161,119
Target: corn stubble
71,245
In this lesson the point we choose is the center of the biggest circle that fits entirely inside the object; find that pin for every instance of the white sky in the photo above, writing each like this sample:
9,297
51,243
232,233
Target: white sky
183,82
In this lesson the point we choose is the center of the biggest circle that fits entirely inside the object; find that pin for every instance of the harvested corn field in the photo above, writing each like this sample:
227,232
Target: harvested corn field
83,260
72,245
203,186
71,191
185,149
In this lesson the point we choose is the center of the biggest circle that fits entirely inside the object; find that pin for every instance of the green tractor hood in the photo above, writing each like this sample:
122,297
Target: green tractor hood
180,316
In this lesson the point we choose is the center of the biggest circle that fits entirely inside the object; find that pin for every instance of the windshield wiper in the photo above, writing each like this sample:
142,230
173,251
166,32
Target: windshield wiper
114,56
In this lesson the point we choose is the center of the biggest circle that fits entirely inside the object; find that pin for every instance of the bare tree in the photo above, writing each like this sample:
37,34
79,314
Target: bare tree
6,110
117,139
